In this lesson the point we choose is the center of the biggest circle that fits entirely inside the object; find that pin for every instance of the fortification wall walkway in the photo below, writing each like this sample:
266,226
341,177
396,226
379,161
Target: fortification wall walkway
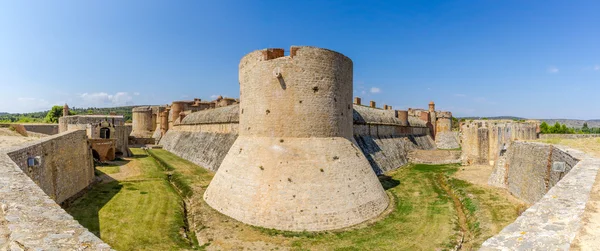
29,218
554,221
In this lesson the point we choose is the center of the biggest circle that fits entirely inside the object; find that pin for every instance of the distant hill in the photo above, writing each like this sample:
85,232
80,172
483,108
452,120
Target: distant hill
3,113
494,118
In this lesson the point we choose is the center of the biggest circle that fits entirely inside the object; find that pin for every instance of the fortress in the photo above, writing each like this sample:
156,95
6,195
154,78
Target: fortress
296,126
295,152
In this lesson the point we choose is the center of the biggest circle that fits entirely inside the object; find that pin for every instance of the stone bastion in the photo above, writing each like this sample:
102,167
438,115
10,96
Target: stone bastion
295,164
34,179
558,181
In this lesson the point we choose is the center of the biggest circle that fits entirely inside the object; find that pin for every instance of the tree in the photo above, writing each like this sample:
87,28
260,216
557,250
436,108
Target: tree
55,113
585,128
564,129
544,128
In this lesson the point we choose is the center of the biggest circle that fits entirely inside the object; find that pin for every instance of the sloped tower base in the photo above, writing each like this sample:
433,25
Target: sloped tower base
296,184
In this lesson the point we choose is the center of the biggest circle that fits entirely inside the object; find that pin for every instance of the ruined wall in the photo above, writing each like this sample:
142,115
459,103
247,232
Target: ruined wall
204,137
65,166
526,170
553,222
482,140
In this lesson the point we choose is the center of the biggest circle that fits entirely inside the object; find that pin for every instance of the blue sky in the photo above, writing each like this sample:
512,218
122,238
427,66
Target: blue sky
535,59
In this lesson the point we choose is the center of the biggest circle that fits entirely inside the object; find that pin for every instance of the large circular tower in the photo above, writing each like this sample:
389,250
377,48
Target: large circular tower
142,122
295,165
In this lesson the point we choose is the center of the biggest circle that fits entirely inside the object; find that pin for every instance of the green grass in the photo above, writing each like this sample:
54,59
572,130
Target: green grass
184,174
109,169
423,218
424,215
139,213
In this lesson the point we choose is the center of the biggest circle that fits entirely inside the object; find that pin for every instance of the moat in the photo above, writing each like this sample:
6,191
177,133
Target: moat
140,203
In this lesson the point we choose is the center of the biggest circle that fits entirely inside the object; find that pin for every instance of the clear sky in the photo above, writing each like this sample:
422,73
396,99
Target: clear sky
535,59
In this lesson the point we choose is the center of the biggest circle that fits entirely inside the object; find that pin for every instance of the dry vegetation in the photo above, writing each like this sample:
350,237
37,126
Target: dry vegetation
588,145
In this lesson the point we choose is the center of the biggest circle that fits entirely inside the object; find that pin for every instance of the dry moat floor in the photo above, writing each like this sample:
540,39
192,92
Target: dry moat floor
139,206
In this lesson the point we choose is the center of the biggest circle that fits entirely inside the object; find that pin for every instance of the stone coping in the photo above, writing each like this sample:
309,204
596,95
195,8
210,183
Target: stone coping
553,222
30,220
35,142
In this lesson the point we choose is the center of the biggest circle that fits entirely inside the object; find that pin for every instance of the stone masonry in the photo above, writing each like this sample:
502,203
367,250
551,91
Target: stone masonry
527,172
553,222
482,140
29,218
63,163
295,165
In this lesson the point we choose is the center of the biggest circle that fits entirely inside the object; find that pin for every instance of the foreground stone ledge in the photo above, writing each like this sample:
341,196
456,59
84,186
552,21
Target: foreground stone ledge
30,220
553,222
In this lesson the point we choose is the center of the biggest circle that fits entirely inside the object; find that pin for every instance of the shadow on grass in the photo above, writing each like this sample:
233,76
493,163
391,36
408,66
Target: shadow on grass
86,208
388,182
116,162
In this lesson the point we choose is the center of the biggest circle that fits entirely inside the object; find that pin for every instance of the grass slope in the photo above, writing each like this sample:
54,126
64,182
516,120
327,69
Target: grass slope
424,216
137,213
145,213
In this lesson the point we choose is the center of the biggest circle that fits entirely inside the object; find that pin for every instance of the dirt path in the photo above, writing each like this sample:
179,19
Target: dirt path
476,174
126,171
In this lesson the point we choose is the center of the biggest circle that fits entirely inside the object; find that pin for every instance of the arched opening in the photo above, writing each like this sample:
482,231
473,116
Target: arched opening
95,155
104,133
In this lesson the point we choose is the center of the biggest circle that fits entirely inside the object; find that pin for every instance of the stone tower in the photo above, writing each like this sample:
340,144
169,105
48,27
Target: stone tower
176,108
431,106
143,122
65,110
164,122
444,122
295,165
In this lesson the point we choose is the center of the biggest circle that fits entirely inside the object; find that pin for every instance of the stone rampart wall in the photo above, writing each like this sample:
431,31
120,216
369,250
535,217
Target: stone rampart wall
553,222
206,149
526,171
30,220
385,140
482,140
434,157
49,129
447,140
64,167
205,137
